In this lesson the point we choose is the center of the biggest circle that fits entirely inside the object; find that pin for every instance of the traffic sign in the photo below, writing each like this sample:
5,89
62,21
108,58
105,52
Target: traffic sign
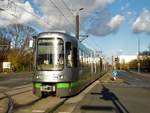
114,73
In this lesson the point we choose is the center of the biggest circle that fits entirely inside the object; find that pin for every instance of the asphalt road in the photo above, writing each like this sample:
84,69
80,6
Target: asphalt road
134,79
128,96
8,81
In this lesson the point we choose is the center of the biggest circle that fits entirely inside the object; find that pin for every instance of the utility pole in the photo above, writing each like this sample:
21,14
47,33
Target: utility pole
149,47
112,62
138,55
78,24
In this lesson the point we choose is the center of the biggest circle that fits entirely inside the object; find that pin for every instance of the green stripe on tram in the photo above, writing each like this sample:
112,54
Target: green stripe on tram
75,84
37,85
62,85
68,85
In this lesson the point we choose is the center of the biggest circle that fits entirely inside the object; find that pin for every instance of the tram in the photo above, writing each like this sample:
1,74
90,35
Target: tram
62,65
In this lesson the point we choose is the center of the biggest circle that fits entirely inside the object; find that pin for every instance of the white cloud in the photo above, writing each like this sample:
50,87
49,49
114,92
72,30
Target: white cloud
5,20
23,12
107,26
53,15
115,22
104,2
17,13
142,23
50,16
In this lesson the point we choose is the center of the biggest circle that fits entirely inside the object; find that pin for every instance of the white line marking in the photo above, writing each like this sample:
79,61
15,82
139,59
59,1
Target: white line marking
38,111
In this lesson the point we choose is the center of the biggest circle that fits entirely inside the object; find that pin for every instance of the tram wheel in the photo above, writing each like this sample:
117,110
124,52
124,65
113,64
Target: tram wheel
44,94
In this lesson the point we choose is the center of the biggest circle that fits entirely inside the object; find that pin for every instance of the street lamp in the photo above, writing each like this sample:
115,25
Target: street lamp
81,9
84,37
1,9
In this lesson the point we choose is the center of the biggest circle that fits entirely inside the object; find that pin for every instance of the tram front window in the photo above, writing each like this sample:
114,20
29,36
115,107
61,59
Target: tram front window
50,54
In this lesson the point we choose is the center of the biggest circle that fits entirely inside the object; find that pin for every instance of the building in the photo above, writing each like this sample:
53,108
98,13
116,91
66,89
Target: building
126,58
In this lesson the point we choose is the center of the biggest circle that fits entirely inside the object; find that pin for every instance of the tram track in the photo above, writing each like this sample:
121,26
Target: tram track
15,94
10,104
45,105
56,106
16,90
14,103
40,105
21,100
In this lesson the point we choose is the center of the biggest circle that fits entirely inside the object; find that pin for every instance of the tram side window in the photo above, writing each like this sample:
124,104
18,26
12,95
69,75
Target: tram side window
75,57
68,54
81,58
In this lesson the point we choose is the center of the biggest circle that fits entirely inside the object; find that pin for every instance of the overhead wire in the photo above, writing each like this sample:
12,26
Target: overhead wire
13,4
67,7
39,18
94,42
61,12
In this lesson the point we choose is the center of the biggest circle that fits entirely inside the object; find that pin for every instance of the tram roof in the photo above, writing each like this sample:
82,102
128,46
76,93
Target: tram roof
44,34
82,47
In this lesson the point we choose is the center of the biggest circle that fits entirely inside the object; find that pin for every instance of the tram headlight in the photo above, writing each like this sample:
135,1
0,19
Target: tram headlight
61,77
37,76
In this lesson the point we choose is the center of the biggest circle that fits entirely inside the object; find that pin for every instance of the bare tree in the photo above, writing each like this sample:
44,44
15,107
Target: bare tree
4,48
18,36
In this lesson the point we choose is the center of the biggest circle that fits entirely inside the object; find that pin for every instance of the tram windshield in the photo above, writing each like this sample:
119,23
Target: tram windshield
50,54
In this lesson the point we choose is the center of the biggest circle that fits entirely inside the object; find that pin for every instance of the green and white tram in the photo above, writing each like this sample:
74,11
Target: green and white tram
63,66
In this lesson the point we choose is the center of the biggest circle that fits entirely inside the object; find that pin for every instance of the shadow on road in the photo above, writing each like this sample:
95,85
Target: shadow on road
18,106
107,95
97,108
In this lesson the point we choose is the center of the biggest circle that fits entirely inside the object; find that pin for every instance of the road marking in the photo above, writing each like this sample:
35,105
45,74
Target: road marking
64,112
38,111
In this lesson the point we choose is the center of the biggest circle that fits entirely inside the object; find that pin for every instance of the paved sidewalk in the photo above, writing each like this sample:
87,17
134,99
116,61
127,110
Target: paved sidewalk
72,103
14,73
141,74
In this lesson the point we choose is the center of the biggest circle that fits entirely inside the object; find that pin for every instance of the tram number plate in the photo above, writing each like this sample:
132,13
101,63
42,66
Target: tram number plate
48,88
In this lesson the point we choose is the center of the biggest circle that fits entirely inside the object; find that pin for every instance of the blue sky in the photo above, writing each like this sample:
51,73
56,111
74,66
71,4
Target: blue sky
123,41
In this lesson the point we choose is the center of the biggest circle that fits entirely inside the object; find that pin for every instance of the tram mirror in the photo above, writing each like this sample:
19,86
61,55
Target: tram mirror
34,37
31,43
